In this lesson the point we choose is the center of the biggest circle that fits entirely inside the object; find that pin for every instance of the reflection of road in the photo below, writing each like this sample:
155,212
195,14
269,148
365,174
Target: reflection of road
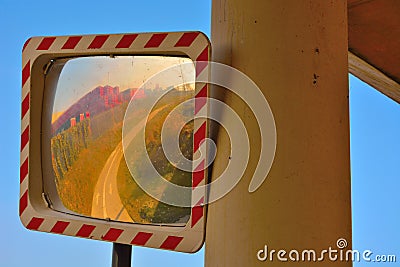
106,203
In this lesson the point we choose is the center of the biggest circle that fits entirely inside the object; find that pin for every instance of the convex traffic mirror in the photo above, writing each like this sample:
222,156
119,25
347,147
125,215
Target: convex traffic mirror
108,122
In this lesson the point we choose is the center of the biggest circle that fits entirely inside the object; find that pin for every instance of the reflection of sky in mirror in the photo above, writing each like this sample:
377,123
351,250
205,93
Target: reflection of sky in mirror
81,75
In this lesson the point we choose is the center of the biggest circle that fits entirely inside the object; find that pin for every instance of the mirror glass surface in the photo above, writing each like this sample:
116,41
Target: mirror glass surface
87,155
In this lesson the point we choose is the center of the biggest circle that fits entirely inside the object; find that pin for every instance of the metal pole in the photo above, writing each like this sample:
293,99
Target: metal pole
122,255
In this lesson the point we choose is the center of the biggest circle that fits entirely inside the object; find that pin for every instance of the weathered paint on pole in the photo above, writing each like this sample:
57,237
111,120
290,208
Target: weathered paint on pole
296,52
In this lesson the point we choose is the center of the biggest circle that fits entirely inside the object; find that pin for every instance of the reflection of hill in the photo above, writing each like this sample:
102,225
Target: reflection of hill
100,99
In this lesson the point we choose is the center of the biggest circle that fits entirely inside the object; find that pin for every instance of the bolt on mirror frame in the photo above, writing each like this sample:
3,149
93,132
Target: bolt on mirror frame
35,209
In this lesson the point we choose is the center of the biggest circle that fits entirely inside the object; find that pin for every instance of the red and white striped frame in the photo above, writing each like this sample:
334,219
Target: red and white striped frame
33,210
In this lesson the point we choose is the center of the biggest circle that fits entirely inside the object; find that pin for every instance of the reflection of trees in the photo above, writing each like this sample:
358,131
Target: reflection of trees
66,146
79,155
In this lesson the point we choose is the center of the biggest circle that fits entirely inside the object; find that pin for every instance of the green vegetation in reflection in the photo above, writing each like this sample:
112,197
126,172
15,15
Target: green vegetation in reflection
140,206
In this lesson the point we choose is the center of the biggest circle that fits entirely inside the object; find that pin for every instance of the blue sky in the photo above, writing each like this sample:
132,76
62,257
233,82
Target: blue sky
375,144
375,131
85,74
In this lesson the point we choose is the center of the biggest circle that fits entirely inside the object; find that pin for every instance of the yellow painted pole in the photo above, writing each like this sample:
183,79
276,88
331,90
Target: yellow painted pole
296,52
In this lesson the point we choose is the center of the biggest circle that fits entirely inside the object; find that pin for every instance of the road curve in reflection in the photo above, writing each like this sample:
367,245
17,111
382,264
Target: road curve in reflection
106,203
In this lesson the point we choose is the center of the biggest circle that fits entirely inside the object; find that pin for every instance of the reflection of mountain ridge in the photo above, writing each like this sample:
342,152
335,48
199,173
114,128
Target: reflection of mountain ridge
100,99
